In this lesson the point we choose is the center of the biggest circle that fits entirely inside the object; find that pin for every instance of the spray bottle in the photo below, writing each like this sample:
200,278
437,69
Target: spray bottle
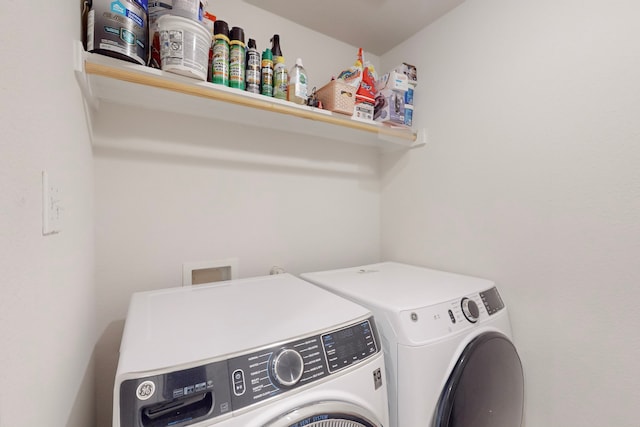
220,67
266,79
280,74
252,79
237,58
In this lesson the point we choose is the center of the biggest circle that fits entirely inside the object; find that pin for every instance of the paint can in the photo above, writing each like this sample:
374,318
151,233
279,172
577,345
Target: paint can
184,46
119,28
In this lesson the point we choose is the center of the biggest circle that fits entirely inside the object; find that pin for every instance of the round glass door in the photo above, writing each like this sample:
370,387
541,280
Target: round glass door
485,388
327,414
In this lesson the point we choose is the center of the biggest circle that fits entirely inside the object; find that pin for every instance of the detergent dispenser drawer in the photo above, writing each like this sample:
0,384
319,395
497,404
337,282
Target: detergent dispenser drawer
176,398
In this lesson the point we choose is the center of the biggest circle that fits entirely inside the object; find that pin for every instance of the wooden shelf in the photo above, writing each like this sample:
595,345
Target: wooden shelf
105,79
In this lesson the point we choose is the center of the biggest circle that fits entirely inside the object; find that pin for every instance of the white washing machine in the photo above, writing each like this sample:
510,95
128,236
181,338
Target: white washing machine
270,351
447,340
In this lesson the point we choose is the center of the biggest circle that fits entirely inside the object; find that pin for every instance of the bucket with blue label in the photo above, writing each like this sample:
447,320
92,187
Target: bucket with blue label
119,28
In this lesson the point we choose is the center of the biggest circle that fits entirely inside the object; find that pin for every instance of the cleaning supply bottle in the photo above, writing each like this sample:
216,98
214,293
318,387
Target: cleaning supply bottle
252,78
280,73
209,21
297,90
280,78
220,71
237,58
266,74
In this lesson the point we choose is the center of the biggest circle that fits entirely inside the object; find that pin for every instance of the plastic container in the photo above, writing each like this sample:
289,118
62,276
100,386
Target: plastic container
275,45
156,10
159,8
184,46
337,96
119,30
280,73
192,9
280,78
208,21
297,90
237,58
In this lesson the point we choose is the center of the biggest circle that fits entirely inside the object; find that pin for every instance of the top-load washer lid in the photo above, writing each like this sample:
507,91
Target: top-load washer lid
177,326
396,287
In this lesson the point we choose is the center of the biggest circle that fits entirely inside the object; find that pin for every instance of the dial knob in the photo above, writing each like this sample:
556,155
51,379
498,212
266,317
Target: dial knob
287,367
470,310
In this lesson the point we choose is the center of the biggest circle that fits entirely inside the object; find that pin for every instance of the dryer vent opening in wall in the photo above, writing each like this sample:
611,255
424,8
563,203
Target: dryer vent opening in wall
197,273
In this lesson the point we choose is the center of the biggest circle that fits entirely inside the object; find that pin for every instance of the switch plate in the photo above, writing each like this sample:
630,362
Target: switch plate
51,206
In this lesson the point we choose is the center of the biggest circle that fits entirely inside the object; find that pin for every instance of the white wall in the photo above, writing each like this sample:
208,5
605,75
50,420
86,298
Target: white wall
531,178
173,189
47,293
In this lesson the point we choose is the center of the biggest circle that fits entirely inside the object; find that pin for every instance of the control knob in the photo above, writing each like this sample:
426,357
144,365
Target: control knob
287,367
470,310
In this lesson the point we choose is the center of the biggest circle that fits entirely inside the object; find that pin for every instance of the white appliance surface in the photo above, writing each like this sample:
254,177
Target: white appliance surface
229,336
397,287
396,293
423,328
188,315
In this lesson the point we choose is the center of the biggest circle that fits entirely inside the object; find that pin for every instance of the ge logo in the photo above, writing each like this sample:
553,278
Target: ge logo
145,390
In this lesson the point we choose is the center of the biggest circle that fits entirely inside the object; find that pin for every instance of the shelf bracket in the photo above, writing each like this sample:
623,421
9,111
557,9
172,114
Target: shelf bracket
89,101
422,138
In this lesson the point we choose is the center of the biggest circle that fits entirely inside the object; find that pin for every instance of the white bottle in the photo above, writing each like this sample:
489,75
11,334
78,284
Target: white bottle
297,84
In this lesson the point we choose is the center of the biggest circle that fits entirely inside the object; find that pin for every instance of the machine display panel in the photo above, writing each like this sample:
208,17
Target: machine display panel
349,345
492,301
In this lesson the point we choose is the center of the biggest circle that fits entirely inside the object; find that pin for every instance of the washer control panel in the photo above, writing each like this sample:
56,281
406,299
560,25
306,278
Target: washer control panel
475,307
347,346
274,370
492,301
470,310
431,322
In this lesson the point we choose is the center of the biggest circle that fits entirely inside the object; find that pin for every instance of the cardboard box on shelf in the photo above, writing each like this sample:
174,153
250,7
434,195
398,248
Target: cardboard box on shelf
390,99
408,95
389,107
393,81
363,111
408,70
408,115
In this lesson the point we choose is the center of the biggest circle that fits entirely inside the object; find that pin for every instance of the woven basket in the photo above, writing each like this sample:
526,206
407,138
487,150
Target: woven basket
338,97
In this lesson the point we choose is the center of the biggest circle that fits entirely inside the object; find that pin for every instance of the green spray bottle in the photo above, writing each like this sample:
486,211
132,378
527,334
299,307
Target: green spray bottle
280,72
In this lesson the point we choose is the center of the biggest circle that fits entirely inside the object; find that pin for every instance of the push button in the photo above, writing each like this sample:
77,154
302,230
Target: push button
238,382
452,317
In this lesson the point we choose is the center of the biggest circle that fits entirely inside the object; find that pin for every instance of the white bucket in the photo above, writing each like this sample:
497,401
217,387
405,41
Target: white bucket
184,46
192,9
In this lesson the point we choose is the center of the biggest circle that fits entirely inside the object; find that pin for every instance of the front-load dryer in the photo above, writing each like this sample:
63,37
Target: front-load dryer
272,351
447,339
